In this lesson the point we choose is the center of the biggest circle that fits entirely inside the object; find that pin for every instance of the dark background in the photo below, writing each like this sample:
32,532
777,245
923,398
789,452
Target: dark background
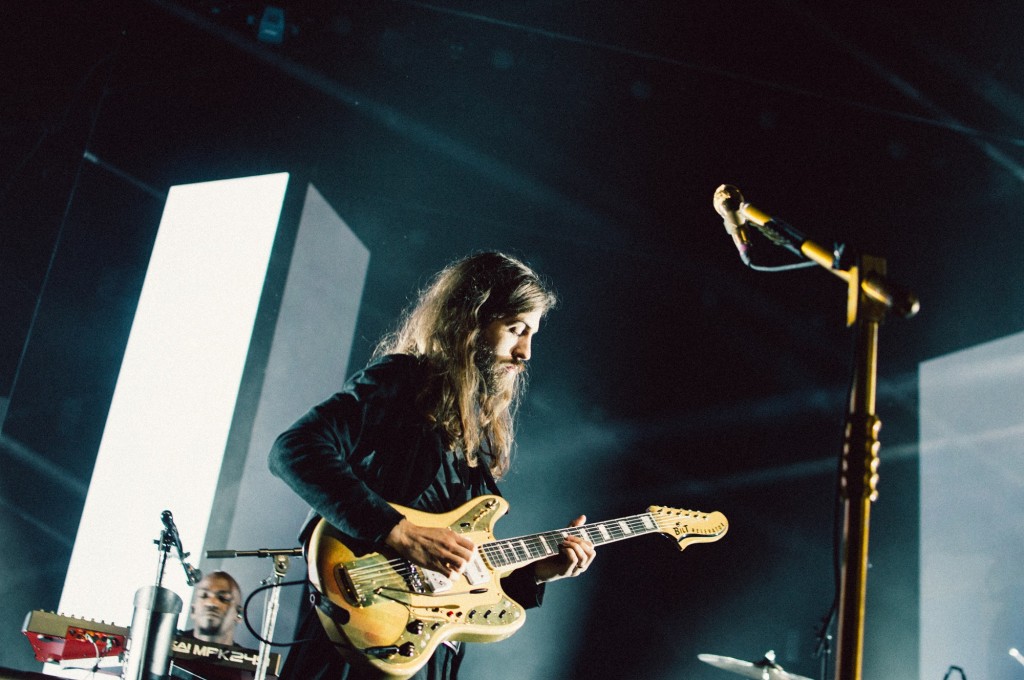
587,137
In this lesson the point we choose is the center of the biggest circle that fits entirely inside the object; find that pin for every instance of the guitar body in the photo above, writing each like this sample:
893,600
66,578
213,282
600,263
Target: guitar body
392,614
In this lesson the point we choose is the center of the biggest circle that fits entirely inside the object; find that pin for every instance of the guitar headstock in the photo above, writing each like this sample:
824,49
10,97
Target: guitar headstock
689,526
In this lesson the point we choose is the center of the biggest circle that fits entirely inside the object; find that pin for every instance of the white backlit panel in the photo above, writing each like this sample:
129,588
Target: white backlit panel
972,512
175,396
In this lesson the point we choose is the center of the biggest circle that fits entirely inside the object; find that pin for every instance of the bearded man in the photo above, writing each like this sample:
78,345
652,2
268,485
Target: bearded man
427,424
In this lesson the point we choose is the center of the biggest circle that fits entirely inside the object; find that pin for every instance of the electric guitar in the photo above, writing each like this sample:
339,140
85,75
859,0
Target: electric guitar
386,611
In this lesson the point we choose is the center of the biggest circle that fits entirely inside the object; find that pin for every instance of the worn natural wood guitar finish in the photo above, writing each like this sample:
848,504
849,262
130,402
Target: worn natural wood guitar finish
392,614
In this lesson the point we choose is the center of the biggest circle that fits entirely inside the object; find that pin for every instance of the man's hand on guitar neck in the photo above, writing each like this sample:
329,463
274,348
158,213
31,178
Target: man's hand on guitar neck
573,559
436,548
442,550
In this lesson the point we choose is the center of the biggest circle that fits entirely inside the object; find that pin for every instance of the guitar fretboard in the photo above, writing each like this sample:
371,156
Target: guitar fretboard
516,552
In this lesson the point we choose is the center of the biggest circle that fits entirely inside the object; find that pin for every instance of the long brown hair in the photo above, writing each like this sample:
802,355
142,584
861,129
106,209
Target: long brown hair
443,327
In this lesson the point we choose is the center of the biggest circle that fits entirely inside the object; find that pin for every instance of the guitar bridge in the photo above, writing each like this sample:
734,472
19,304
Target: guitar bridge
353,592
363,579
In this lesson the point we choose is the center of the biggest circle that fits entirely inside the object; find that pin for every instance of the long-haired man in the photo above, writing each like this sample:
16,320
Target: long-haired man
427,424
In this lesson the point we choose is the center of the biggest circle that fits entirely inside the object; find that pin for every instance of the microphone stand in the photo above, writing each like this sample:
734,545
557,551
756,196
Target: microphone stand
858,483
869,296
270,603
154,621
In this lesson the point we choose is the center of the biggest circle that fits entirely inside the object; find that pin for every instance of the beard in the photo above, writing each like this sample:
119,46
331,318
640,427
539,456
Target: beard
497,379
210,625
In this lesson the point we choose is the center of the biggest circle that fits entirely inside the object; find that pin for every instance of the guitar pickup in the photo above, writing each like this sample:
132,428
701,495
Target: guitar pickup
475,573
435,582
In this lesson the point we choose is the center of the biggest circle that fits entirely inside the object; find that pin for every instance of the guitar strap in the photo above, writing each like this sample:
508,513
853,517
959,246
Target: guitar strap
492,486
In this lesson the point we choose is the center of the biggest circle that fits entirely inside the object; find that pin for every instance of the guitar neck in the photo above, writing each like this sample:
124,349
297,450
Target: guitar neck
512,553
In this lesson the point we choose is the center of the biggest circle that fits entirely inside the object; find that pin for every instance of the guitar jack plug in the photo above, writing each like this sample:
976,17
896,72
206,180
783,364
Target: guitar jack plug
407,649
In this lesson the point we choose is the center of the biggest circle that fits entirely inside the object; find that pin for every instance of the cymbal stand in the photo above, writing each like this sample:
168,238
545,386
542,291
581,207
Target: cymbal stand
824,649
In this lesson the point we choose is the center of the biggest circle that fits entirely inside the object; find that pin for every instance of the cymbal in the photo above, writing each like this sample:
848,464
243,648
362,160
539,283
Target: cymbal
765,669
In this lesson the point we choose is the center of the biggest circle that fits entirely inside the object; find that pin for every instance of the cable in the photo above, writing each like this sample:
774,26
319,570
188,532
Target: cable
245,613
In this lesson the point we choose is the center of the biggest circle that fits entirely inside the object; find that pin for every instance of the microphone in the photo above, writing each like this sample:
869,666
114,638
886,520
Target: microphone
192,575
737,213
727,202
168,521
730,205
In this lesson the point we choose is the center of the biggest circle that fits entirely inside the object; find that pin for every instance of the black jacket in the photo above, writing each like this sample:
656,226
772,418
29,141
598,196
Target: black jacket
366,446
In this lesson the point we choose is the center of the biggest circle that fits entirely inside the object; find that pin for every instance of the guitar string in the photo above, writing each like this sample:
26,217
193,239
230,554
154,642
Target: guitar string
536,546
398,570
515,546
497,552
540,545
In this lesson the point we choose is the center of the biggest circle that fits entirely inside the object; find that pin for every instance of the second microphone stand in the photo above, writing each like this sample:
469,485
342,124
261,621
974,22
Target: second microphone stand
270,605
271,602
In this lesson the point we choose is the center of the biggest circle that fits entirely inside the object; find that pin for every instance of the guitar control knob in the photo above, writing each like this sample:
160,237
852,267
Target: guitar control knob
408,649
415,627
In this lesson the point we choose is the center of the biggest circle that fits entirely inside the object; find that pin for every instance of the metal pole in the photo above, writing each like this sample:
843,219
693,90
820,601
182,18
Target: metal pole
859,476
281,563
